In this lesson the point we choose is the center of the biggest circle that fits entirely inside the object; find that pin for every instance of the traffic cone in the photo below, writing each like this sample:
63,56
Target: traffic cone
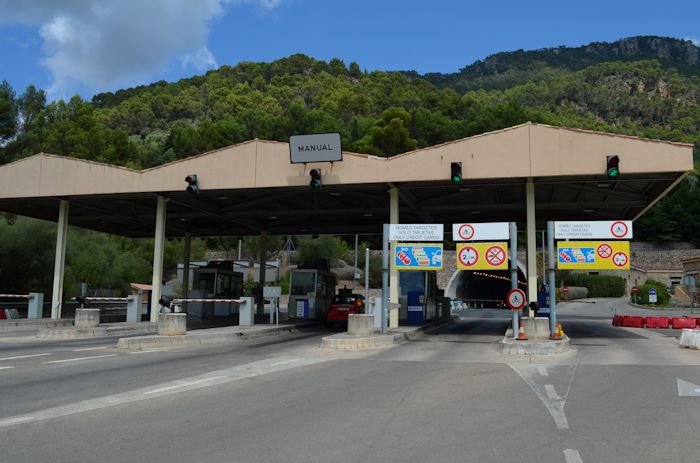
521,333
556,336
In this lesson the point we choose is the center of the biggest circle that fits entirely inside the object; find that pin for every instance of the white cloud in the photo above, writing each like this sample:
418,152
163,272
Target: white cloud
101,44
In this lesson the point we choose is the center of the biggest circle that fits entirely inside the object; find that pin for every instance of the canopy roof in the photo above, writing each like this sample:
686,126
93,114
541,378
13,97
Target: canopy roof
253,187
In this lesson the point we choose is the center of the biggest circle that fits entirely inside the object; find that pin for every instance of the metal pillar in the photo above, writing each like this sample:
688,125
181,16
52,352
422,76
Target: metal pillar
186,271
366,275
393,273
263,268
60,261
385,278
552,289
531,245
157,281
354,270
514,270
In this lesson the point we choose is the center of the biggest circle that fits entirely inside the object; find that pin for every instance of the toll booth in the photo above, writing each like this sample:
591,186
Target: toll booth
214,282
417,297
311,292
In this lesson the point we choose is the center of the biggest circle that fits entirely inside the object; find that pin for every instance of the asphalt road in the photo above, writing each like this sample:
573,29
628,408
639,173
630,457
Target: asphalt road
448,396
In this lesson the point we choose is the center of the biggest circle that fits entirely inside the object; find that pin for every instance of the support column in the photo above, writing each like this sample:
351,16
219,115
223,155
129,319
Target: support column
552,280
531,245
157,281
263,267
393,273
60,262
186,271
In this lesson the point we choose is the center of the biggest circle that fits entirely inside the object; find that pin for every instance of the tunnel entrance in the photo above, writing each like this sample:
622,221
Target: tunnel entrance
483,289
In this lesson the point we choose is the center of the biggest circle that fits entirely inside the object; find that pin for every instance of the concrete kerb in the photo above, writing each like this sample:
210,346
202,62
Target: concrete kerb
395,336
104,330
33,324
210,336
534,347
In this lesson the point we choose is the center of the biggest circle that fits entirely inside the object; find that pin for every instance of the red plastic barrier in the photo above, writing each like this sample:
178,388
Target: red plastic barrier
657,322
617,320
633,322
3,316
678,323
697,322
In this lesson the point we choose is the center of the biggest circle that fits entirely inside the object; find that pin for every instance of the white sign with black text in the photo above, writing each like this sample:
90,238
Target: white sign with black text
480,231
320,147
416,232
598,229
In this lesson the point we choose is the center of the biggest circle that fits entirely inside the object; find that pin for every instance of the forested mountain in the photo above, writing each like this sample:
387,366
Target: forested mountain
644,86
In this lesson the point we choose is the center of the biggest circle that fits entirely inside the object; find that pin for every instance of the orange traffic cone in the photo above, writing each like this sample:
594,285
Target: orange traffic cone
521,333
556,336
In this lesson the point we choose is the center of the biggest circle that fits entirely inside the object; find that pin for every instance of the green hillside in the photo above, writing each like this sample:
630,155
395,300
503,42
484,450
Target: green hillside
644,86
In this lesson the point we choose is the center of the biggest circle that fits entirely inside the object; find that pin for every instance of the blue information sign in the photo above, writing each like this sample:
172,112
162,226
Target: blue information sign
652,291
418,256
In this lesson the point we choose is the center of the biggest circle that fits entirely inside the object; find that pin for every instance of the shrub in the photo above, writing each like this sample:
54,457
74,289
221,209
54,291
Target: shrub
662,295
599,285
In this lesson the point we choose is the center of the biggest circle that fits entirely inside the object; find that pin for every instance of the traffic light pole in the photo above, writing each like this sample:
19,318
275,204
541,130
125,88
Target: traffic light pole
514,270
552,282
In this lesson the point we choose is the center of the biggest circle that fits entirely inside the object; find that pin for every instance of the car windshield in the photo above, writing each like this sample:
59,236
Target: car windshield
345,299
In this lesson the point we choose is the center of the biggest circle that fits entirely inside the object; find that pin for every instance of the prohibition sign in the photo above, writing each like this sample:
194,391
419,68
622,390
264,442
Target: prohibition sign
620,259
468,256
604,251
466,232
618,229
515,299
495,255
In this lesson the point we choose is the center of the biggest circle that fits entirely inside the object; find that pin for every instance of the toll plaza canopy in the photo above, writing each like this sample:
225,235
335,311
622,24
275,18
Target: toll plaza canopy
253,187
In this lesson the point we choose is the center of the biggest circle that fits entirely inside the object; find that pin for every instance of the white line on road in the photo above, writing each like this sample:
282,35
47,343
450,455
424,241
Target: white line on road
551,392
572,456
26,356
89,348
543,371
184,385
5,368
284,362
227,375
82,358
147,351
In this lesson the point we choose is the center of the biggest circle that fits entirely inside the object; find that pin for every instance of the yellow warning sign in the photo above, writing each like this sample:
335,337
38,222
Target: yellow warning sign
482,256
593,255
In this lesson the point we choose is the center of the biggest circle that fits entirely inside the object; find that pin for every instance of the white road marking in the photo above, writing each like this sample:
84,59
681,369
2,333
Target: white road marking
147,351
687,389
5,368
89,348
543,371
227,375
572,456
26,356
185,384
562,375
551,392
82,358
284,362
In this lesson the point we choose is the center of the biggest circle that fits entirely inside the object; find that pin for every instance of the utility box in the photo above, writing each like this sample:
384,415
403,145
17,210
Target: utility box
414,305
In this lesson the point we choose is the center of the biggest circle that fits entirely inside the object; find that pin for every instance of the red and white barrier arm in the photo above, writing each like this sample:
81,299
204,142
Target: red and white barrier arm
121,299
16,296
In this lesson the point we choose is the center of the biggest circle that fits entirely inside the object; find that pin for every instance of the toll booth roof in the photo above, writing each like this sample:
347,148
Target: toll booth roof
253,186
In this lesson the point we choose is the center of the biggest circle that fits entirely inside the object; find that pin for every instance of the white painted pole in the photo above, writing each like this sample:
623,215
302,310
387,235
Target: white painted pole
186,271
157,280
531,245
60,260
393,272
514,271
552,279
354,270
385,277
367,276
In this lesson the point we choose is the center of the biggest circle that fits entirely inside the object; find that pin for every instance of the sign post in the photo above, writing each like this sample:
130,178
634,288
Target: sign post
513,232
385,277
634,293
552,282
652,296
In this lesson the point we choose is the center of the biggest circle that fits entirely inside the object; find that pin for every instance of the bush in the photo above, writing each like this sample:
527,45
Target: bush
599,285
662,295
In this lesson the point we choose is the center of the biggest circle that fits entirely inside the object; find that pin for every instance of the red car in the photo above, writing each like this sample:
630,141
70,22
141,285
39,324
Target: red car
343,305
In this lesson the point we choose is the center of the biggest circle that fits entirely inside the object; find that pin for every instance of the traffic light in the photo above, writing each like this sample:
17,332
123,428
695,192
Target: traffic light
315,182
192,186
613,166
456,172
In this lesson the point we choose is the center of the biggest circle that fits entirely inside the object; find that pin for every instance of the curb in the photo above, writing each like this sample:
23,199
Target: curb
100,331
544,347
193,339
26,325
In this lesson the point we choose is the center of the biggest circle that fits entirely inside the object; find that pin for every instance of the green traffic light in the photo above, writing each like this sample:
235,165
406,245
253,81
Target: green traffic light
456,179
315,184
613,172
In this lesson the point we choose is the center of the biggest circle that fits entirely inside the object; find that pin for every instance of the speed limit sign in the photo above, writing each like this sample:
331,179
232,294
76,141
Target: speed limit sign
516,299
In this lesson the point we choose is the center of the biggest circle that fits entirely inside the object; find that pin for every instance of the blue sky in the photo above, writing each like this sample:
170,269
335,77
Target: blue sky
88,46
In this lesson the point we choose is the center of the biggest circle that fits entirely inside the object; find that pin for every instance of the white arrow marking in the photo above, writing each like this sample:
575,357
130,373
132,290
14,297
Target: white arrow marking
572,456
687,389
553,398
